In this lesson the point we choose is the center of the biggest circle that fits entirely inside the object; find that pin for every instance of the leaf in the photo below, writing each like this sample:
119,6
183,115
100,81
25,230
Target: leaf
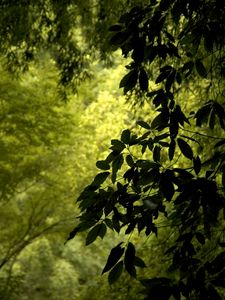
163,75
102,230
115,273
172,149
200,68
73,233
129,160
114,256
116,165
197,164
160,121
99,179
156,153
125,136
203,114
185,148
102,165
143,80
117,145
139,262
93,234
109,223
129,259
129,80
166,187
143,124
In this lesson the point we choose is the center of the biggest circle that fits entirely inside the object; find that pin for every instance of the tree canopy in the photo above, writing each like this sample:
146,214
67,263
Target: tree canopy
174,170
163,177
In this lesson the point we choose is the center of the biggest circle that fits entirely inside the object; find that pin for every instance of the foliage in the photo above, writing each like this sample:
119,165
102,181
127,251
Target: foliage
163,174
47,163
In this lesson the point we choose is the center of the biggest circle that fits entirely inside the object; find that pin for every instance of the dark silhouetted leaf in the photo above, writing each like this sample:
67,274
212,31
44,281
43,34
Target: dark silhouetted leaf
197,164
116,165
156,153
143,124
143,80
93,234
109,223
117,145
185,148
139,262
160,121
114,256
129,160
129,259
129,81
102,165
100,178
172,149
166,187
102,231
125,136
200,68
115,273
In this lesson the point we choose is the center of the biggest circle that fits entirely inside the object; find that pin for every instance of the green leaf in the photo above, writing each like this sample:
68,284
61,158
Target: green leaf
115,273
185,148
102,230
200,68
93,234
129,259
102,165
114,256
143,124
125,136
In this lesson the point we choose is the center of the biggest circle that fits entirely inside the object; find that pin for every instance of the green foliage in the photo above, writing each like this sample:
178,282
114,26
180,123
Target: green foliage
170,171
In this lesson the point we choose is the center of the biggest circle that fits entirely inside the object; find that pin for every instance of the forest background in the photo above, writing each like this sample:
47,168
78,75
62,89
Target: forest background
155,209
